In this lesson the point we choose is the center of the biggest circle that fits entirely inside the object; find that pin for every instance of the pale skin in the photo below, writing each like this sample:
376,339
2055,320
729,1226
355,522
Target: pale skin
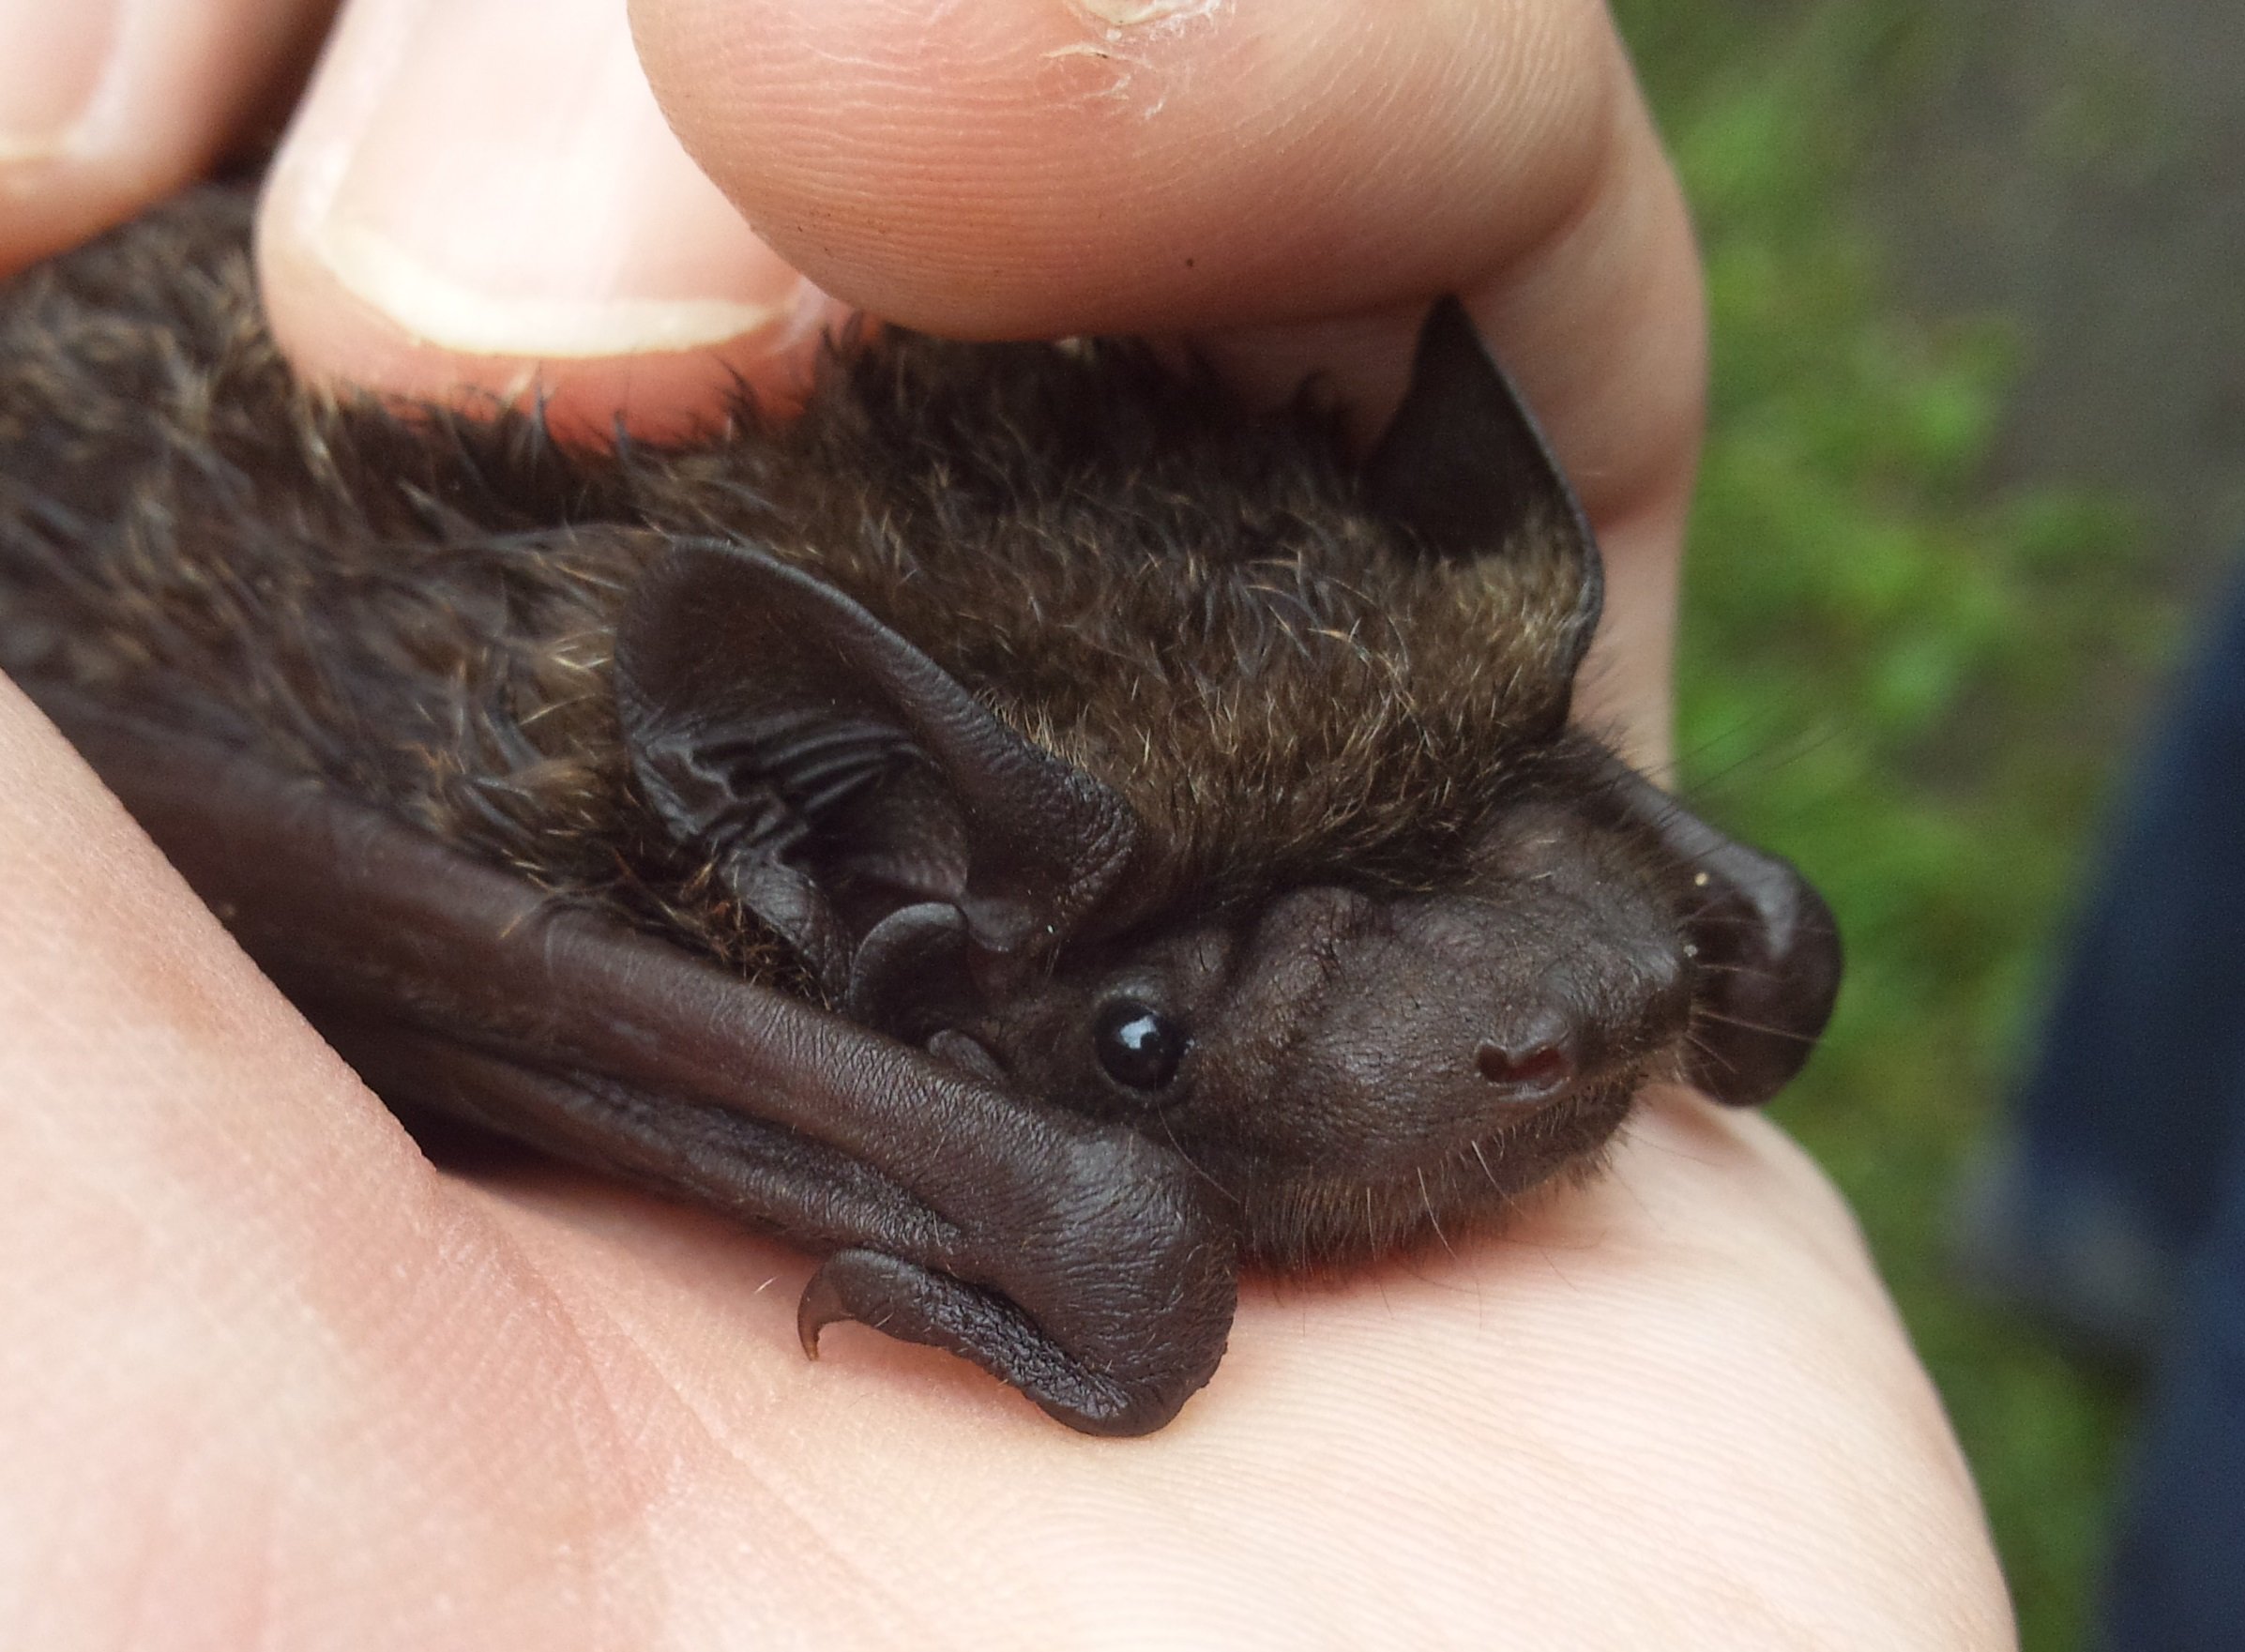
267,1379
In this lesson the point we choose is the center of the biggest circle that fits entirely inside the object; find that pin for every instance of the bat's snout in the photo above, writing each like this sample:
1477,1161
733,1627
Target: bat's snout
1585,1020
1447,1022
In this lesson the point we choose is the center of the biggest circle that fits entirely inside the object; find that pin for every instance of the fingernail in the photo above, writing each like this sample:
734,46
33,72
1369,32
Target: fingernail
52,59
496,180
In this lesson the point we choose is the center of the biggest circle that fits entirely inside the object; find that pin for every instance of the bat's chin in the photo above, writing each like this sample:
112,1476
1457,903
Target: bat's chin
1304,1218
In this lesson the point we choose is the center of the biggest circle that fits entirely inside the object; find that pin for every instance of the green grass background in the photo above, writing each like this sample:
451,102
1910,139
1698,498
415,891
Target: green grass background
1912,679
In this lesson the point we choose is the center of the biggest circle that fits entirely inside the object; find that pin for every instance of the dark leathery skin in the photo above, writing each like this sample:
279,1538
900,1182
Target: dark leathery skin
1080,1262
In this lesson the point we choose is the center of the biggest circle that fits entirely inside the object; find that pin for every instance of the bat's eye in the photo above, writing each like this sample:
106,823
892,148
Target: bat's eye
1138,1045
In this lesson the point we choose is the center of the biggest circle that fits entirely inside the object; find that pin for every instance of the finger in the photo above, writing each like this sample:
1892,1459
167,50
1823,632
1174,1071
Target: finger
1287,185
106,105
1029,168
483,197
441,216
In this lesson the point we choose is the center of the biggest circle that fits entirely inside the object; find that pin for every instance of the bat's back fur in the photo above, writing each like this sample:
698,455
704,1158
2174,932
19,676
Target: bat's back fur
1188,602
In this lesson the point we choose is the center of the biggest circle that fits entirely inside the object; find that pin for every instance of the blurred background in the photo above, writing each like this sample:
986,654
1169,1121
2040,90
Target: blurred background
1976,469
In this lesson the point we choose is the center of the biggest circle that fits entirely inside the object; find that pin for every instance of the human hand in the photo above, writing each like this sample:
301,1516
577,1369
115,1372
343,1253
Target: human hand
271,1376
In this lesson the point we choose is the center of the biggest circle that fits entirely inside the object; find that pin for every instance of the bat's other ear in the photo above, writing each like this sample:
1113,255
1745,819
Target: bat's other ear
1463,467
1766,953
837,776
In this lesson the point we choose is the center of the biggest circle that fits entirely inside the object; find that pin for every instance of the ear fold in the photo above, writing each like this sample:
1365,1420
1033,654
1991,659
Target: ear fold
1766,953
1466,470
836,775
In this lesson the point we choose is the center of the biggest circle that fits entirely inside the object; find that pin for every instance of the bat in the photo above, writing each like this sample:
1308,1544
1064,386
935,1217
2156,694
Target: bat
1030,830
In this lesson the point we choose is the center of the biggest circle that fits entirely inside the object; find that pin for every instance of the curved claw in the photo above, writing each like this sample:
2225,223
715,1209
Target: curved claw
902,1300
1038,1301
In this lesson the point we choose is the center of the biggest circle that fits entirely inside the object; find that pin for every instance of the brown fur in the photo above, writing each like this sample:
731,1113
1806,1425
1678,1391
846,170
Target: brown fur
417,609
1367,852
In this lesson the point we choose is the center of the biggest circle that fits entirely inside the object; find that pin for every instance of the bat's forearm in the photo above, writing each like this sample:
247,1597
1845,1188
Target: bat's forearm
1080,1261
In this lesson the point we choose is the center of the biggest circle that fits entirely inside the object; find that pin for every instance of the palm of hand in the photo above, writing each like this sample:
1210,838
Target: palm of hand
281,1382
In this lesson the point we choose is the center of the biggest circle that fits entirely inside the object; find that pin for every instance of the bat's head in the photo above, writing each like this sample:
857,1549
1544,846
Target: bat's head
1314,882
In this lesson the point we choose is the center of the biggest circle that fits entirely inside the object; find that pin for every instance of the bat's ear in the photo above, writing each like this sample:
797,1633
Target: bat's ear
837,776
1465,469
1764,952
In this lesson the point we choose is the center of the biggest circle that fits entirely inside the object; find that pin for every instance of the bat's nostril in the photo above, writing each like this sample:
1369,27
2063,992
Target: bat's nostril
1536,1069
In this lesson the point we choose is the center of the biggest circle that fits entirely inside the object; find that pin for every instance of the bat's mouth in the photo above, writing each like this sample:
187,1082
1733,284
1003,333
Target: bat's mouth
1299,1216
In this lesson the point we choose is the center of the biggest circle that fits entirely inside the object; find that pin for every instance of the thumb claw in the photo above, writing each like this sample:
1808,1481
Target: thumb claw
915,1305
822,1305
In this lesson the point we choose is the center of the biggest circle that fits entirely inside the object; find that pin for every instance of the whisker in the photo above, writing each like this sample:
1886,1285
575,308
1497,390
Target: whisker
1754,1026
1433,1222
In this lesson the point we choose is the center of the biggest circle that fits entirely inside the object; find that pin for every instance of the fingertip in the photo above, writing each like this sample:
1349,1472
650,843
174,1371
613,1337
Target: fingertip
468,209
1286,187
108,105
1034,168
